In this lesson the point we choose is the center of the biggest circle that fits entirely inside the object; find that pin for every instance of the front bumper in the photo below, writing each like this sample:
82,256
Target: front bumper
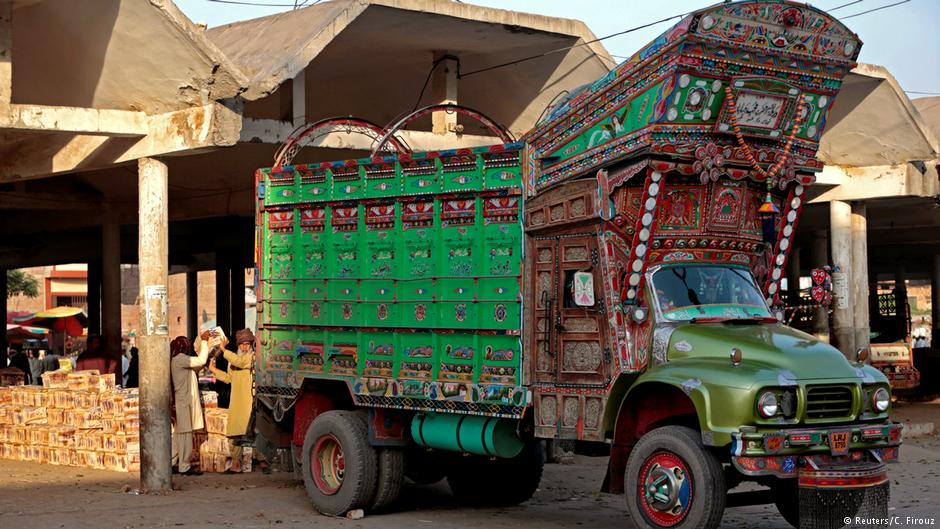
782,452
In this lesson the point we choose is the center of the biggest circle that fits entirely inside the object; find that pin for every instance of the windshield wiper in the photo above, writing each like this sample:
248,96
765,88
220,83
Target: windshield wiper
689,292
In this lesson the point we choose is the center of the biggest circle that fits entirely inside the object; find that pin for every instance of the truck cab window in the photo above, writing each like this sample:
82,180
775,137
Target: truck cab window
696,291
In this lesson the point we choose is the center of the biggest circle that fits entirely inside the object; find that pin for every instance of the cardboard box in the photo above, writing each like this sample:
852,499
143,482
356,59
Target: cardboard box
216,420
58,379
209,399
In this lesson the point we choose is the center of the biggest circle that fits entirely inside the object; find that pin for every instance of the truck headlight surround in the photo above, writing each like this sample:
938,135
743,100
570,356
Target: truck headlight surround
767,405
880,400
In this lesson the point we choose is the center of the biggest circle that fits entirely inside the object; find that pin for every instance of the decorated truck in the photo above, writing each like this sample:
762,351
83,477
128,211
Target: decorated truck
611,278
891,341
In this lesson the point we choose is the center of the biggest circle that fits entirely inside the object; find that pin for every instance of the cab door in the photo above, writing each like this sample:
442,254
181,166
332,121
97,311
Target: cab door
569,314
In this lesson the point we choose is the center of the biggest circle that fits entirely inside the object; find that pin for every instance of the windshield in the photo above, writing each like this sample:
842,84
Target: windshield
707,291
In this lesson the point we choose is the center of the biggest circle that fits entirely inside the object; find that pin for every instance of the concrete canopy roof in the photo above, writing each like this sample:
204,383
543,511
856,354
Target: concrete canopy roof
390,44
139,56
294,38
873,123
929,109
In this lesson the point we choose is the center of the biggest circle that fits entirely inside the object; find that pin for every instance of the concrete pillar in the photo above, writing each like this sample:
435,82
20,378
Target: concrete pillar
860,316
843,317
3,316
94,297
444,90
192,304
819,259
111,284
223,294
299,99
238,297
6,55
154,327
793,278
935,302
900,294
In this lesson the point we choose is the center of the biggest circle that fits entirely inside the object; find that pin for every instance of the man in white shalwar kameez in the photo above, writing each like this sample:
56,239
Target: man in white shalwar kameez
183,369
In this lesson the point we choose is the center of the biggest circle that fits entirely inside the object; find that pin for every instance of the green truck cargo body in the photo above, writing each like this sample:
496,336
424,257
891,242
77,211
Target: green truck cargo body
401,277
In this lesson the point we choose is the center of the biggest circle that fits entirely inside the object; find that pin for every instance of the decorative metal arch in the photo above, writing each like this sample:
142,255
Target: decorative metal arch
491,125
306,133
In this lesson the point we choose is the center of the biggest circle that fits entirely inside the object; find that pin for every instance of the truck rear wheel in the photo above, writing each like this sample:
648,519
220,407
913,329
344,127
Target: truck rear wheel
391,476
673,481
498,482
339,465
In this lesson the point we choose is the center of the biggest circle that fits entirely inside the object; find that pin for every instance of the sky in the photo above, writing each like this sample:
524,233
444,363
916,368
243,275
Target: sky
903,38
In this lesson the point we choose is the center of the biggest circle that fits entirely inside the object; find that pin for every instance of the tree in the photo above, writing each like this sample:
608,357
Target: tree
21,283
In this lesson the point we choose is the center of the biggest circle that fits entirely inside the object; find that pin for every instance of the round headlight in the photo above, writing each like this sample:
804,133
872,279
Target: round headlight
880,399
767,405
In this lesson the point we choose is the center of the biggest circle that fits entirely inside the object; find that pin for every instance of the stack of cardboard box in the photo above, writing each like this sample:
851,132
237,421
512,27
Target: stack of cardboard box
77,419
213,449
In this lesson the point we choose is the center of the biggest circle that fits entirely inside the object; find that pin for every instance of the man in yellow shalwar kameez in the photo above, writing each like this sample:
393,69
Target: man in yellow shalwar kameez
239,375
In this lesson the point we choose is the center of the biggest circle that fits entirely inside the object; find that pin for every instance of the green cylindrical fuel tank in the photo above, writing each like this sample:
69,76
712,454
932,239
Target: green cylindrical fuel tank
486,436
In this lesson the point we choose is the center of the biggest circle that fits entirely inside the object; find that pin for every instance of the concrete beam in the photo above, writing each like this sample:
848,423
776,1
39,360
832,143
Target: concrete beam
299,98
72,119
885,181
53,201
274,132
208,126
444,91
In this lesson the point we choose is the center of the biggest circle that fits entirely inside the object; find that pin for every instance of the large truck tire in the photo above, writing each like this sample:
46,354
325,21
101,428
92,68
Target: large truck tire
339,464
481,481
391,476
673,481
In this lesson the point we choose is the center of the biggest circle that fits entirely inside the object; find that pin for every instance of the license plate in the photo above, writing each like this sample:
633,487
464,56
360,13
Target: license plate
839,443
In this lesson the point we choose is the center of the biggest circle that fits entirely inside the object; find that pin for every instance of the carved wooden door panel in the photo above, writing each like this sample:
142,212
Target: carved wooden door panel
578,330
544,264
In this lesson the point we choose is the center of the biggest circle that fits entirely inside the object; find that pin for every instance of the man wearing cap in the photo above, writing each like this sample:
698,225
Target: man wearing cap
183,368
239,375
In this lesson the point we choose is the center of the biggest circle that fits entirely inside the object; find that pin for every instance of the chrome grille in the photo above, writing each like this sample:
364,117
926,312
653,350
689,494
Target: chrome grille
828,402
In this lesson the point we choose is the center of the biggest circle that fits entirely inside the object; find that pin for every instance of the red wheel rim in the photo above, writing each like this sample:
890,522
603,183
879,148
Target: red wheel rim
329,464
664,489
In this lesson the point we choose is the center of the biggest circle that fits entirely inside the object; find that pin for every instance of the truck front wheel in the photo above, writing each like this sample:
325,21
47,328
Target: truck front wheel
673,481
339,465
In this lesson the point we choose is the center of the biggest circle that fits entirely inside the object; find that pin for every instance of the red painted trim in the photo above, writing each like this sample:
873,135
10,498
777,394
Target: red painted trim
642,411
842,480
48,283
309,404
386,426
68,274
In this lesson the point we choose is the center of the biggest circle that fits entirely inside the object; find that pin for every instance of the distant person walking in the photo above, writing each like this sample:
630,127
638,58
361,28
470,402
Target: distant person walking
132,377
20,361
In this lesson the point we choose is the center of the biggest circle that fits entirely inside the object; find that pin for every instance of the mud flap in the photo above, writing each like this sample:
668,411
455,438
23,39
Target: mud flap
831,498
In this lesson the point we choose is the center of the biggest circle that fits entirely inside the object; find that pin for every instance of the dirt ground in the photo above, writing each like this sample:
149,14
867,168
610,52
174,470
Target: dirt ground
34,496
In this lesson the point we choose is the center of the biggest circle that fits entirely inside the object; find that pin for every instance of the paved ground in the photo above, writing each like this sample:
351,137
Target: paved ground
34,496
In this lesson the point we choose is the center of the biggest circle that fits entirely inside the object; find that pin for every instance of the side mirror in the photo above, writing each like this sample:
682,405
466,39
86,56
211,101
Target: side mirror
584,289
